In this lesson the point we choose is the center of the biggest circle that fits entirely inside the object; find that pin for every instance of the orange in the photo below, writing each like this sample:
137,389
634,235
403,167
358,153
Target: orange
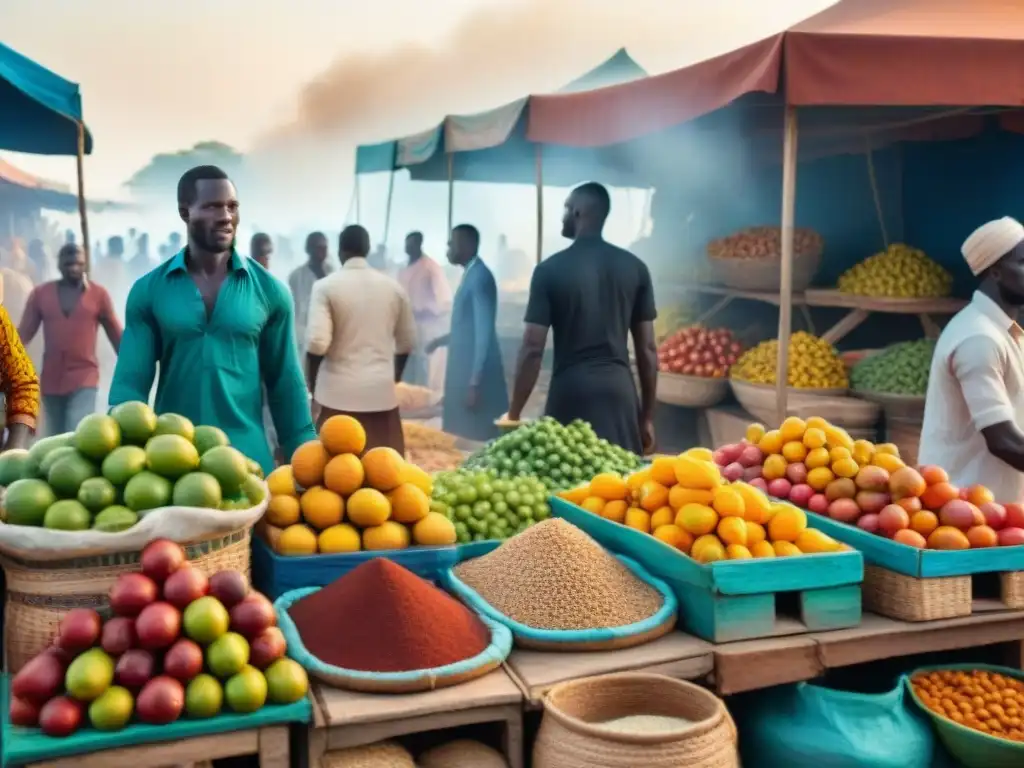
609,487
593,504
283,511
410,474
754,433
762,549
697,519
344,473
297,539
662,516
733,530
786,524
707,549
814,438
674,536
614,511
339,538
786,549
368,507
383,468
652,496
343,434
924,522
639,519
755,533
280,482
322,508
771,442
575,495
737,552
728,502
408,504
308,463
638,478
663,470
774,467
794,451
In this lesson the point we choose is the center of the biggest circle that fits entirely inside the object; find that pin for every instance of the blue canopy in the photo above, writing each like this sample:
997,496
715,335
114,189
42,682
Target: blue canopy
492,146
39,110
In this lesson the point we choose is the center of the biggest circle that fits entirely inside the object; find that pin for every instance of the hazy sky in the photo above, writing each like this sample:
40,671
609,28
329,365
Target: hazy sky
160,76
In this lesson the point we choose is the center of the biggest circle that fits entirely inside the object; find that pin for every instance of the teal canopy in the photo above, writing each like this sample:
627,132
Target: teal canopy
491,146
39,110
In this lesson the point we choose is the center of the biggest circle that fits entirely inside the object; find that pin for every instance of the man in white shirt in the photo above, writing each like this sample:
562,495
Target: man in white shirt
359,335
301,280
974,411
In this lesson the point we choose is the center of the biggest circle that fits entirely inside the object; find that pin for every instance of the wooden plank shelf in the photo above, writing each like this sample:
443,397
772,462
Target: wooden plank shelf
345,719
830,297
676,654
740,599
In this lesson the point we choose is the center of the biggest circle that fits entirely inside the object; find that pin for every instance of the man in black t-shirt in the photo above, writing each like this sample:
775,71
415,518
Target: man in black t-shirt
593,296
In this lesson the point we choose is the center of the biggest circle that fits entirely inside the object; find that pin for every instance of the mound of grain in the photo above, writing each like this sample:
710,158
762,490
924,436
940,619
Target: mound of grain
554,576
462,753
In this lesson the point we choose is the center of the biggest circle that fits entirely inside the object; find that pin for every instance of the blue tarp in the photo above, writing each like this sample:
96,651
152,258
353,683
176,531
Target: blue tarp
491,146
39,110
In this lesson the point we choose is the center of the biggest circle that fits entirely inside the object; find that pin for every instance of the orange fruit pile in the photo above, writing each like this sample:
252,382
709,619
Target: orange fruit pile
985,701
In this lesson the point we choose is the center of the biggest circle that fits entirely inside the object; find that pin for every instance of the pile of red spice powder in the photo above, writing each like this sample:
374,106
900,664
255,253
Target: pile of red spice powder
380,617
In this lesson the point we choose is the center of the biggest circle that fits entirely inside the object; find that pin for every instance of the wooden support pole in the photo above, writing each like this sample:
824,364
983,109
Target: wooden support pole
789,157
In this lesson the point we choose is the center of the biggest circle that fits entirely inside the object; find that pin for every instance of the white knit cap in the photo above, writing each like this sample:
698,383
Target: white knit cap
990,242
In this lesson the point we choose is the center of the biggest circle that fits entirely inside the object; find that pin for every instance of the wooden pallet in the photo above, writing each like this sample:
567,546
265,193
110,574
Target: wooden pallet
740,599
343,719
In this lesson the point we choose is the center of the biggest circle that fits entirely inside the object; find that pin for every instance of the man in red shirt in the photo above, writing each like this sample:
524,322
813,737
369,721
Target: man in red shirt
70,310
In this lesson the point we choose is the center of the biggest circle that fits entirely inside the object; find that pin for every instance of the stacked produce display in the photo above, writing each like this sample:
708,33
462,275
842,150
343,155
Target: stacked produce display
559,456
178,643
763,243
899,272
817,466
698,351
672,319
335,498
114,469
691,504
899,369
813,363
484,506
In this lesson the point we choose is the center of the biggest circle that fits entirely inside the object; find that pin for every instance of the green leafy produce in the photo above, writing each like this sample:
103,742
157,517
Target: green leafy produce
899,369
484,506
561,456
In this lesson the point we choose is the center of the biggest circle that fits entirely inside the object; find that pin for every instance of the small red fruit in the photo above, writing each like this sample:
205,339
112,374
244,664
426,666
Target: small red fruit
161,558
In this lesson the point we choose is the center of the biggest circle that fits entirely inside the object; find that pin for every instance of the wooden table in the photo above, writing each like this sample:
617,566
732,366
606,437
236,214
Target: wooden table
755,664
269,743
677,654
343,719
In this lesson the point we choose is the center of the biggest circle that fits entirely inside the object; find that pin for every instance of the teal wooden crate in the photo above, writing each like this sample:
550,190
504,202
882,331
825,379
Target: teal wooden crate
920,563
737,599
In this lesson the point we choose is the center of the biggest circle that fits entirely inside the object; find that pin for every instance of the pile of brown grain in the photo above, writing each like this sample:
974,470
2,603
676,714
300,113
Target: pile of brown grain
554,576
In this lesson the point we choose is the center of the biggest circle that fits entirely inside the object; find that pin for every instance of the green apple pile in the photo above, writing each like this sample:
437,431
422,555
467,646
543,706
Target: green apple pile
113,469
178,643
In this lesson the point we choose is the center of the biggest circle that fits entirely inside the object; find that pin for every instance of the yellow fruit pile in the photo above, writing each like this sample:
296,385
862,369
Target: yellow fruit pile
827,451
334,498
813,363
684,501
897,272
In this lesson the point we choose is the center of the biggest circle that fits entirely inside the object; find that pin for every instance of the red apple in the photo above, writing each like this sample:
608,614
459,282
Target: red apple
183,660
267,648
230,587
158,626
844,510
61,716
869,523
818,503
40,679
160,701
131,593
1011,537
252,616
135,668
1014,515
994,514
23,713
79,630
118,635
185,585
801,495
161,558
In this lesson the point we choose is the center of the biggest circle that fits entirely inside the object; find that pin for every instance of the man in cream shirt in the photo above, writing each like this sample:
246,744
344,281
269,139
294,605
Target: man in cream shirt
974,411
359,334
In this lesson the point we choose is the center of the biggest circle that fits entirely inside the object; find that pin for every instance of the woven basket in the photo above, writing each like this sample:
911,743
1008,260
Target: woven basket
763,274
909,598
571,735
691,391
383,754
902,407
760,402
39,594
906,435
462,753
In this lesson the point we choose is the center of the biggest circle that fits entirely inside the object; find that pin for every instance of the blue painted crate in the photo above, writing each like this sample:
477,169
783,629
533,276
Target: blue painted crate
736,599
274,574
911,584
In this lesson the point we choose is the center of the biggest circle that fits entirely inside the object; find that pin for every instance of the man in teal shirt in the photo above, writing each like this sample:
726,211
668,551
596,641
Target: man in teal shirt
219,326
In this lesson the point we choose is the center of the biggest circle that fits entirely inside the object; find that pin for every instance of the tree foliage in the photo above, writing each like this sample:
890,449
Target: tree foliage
162,172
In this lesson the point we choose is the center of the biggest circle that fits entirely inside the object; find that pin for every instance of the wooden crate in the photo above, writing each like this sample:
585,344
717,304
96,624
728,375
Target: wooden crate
343,719
911,584
740,599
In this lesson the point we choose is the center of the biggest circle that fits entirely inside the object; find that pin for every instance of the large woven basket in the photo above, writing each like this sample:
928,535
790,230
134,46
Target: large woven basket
691,391
759,399
571,734
763,274
39,594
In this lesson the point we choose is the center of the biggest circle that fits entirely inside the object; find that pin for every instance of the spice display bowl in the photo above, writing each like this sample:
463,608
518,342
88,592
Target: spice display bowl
597,639
413,681
972,748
